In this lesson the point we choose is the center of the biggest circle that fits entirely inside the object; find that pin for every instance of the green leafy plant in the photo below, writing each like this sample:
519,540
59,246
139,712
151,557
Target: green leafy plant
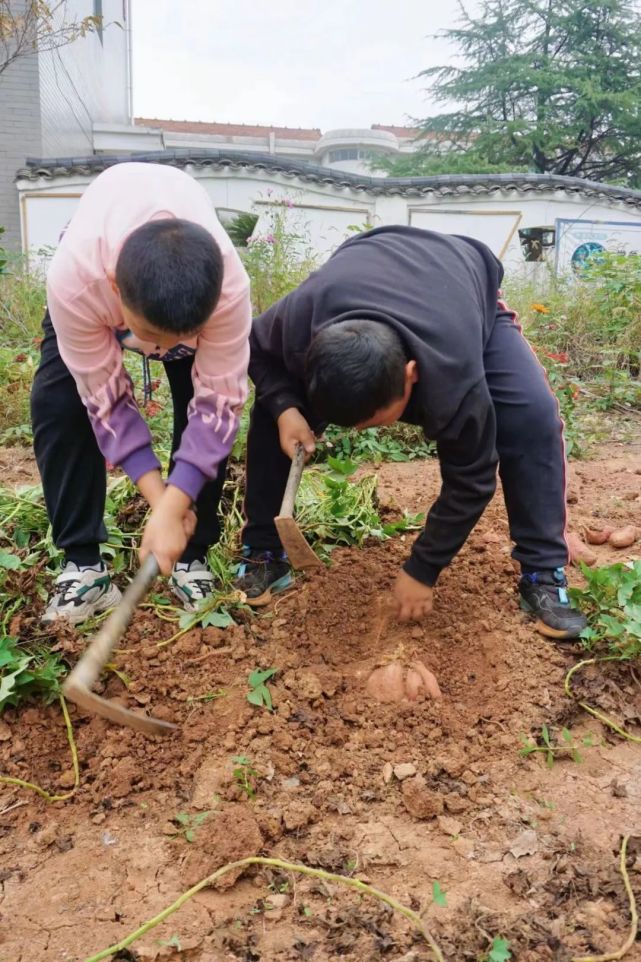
259,694
189,824
499,950
399,442
27,674
439,897
245,775
611,600
553,749
280,257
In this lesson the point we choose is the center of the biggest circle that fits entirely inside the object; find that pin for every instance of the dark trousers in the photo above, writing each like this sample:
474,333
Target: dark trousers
529,444
73,470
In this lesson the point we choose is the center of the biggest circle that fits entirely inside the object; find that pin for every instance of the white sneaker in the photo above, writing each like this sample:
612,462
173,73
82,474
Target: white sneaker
192,583
80,592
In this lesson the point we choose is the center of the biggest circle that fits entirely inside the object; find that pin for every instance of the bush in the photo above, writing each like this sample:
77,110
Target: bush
279,260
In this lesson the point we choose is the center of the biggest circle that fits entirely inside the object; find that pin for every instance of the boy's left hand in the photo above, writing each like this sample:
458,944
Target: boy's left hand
169,528
412,598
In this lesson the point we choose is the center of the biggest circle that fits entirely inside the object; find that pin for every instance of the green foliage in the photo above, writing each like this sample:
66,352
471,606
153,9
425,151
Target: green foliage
27,674
553,749
543,86
611,600
279,259
439,897
400,442
499,950
259,694
240,228
189,824
245,775
430,161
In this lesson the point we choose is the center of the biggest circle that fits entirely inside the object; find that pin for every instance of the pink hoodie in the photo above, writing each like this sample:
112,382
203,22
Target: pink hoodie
91,332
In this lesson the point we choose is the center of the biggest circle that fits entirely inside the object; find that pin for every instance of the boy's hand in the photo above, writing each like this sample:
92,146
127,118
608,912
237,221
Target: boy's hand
412,598
169,528
293,428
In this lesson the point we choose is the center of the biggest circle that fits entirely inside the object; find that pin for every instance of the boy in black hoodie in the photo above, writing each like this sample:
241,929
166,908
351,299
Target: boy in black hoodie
405,324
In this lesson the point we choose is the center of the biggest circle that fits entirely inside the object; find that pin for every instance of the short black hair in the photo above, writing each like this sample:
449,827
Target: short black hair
353,369
170,272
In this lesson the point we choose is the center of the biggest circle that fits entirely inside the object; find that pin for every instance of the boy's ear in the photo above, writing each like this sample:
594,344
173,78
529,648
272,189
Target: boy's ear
112,280
411,372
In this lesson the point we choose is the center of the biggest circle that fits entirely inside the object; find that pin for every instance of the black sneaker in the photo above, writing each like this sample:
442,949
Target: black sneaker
263,574
544,594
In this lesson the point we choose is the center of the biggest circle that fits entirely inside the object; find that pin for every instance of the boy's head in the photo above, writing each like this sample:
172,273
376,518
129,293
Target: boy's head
169,275
357,374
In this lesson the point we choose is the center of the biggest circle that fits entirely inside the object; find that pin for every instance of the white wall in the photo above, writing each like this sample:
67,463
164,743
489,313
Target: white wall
328,210
86,81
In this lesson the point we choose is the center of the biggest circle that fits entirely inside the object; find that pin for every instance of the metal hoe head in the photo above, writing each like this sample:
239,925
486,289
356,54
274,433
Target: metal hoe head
77,687
293,541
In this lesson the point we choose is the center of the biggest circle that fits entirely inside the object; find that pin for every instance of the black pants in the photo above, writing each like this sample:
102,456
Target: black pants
529,443
73,470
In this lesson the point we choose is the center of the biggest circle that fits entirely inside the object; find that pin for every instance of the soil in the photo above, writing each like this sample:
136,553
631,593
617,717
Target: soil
522,851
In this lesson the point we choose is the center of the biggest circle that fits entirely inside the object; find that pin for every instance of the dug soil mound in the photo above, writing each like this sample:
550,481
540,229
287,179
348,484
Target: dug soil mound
399,795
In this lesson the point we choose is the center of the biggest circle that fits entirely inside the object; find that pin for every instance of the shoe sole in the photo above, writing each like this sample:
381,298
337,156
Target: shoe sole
108,600
557,633
283,584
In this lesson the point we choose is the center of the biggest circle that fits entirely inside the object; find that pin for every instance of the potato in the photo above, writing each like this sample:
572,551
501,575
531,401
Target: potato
623,537
579,551
597,535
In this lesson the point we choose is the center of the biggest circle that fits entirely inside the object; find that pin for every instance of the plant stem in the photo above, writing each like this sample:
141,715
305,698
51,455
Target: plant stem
593,711
634,918
20,783
287,867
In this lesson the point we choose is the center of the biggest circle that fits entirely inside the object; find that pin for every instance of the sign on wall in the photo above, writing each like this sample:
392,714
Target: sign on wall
578,240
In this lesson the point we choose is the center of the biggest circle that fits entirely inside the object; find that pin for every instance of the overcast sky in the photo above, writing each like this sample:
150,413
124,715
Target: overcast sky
302,63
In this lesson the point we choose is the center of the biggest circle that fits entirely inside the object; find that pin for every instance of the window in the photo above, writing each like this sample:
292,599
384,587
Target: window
536,241
346,153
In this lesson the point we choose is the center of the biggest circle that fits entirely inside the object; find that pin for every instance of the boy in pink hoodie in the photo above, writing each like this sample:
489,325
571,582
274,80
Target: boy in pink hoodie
144,265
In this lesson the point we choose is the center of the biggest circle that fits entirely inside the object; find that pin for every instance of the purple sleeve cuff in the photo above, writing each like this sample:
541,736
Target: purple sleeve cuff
188,478
139,462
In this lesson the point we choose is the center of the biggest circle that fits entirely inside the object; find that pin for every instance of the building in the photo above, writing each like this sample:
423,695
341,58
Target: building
526,219
347,150
50,100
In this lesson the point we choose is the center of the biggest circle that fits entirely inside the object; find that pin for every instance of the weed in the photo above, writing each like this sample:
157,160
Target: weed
612,601
172,943
189,823
208,696
259,694
245,775
552,749
27,674
280,257
499,950
439,897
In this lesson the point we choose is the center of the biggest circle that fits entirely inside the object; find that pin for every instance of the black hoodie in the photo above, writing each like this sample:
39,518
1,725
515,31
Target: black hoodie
439,293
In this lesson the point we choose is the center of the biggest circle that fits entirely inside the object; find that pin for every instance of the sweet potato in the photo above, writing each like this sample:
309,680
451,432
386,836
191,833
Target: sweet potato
597,535
392,683
623,537
429,680
387,683
579,551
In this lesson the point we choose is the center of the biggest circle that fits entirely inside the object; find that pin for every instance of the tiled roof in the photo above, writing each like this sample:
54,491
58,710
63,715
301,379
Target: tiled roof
405,133
229,130
444,185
